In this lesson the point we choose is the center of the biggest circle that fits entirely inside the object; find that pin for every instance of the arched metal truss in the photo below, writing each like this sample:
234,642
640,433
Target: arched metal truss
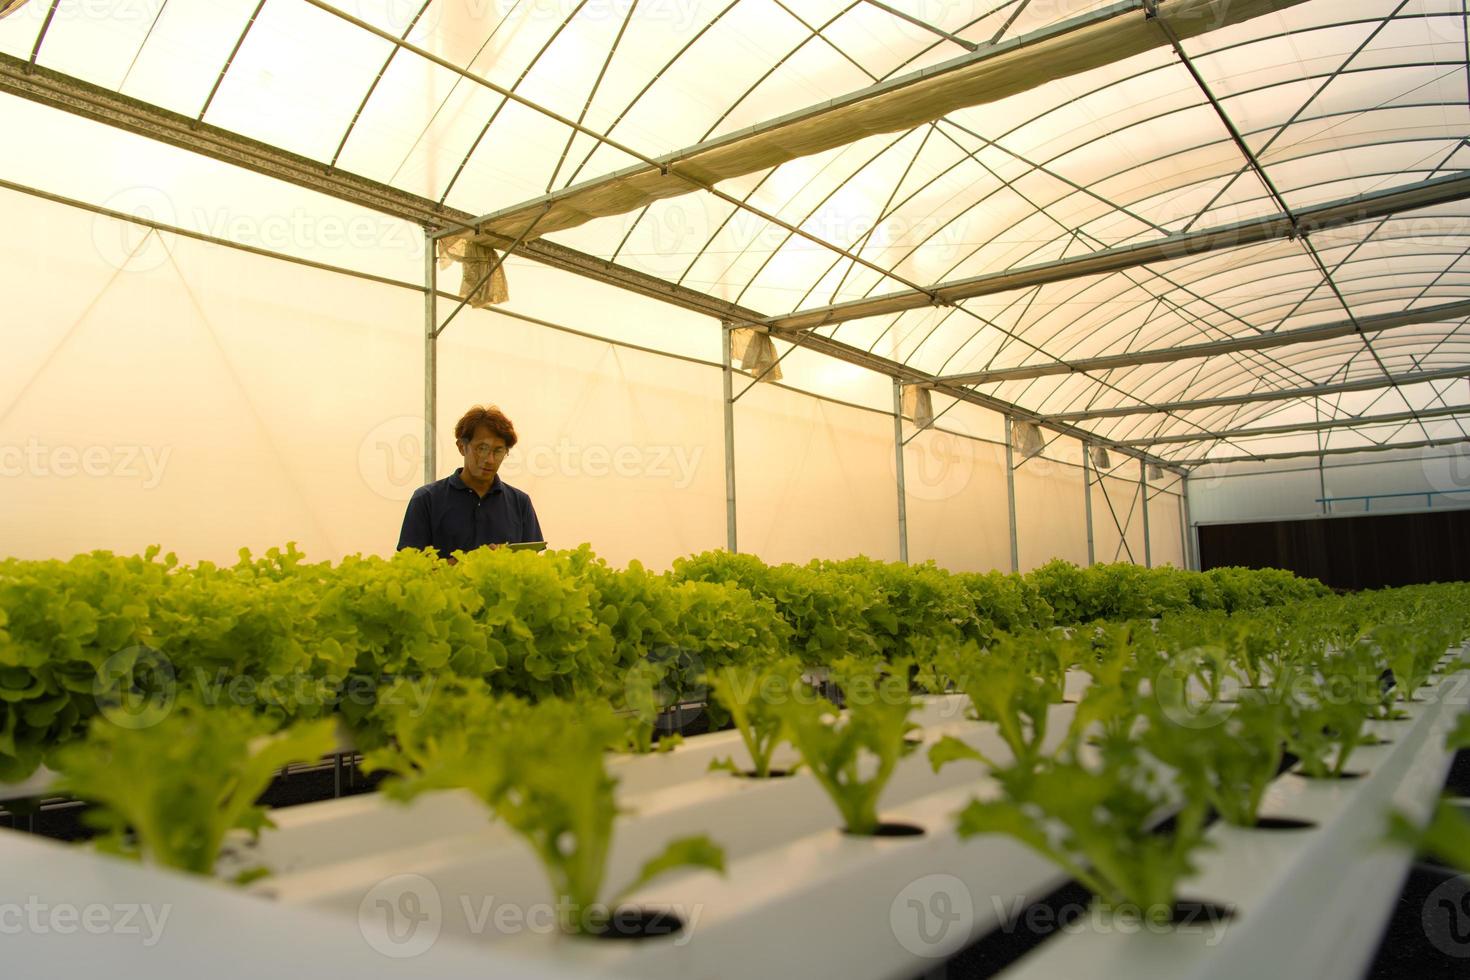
1210,224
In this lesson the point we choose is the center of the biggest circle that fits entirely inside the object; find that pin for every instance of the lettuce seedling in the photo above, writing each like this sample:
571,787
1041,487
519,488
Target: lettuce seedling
1108,711
751,696
1003,689
1230,761
939,662
853,754
1447,836
171,792
1411,655
1325,726
542,770
642,704
1095,824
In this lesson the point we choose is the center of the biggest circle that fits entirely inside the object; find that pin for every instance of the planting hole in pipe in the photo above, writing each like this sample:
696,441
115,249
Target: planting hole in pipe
887,829
1350,774
1281,823
629,922
1198,912
770,774
1185,915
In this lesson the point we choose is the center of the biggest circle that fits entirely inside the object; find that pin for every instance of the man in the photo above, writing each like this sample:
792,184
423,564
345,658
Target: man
472,506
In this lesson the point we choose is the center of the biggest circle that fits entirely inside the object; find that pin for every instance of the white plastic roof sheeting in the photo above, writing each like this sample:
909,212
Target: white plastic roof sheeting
483,105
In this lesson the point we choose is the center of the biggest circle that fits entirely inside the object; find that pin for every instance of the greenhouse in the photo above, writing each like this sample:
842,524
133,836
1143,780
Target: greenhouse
817,488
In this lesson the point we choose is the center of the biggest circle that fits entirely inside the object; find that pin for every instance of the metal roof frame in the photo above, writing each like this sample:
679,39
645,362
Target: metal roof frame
1264,396
1350,422
1278,227
61,91
1189,301
1306,335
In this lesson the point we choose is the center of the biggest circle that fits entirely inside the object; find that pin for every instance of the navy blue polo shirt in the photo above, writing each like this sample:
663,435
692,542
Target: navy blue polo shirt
449,516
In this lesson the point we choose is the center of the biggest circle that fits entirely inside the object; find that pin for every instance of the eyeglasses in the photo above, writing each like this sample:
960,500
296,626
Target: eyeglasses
482,451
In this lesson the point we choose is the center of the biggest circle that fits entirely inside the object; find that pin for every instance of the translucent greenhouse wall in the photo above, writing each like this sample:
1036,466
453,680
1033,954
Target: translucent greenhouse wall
956,500
1435,477
162,389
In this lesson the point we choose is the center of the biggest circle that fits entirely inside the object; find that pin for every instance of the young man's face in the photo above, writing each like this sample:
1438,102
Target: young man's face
483,454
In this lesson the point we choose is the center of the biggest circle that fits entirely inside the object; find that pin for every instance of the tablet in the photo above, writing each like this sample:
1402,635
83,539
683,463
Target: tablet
526,545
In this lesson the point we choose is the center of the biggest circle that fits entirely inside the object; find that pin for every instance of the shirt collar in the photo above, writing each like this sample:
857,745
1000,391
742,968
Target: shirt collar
454,481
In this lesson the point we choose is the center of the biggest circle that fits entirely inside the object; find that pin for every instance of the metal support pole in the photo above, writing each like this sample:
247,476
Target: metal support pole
431,356
1322,482
1148,551
1191,535
1321,460
1011,496
729,436
1087,500
1184,522
903,517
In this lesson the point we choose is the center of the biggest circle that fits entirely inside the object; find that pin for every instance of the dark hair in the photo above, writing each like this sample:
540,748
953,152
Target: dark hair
490,417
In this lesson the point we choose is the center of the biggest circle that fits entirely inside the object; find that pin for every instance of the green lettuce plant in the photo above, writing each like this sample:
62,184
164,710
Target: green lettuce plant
853,753
752,698
1325,726
541,769
1447,833
171,792
1004,689
1097,823
1229,761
